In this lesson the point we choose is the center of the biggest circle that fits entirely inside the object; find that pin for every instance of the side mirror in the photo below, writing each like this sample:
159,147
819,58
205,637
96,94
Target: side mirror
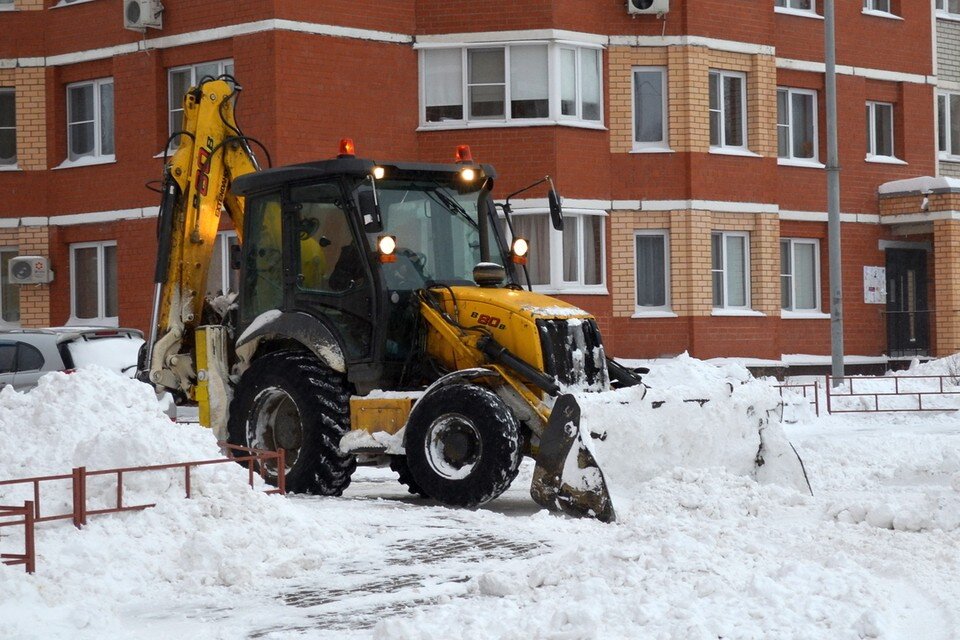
370,211
556,211
236,257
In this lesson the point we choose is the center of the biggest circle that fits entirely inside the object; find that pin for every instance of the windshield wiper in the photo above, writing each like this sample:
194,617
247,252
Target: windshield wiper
450,204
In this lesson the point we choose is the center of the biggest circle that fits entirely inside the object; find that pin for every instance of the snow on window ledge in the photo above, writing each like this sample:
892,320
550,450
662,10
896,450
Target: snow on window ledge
7,7
69,3
804,315
800,13
884,159
735,313
652,150
642,312
796,162
9,167
86,161
946,157
880,14
946,15
734,151
582,290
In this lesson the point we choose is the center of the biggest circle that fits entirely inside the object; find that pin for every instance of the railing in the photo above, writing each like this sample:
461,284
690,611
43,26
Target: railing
893,390
29,557
812,387
78,478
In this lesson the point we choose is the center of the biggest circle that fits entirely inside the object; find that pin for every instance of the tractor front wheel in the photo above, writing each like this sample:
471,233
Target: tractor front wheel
463,445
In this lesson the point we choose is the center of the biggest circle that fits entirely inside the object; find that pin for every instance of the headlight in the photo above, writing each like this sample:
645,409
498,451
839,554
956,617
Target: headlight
519,250
386,245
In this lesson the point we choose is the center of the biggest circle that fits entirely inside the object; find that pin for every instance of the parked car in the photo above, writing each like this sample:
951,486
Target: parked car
28,354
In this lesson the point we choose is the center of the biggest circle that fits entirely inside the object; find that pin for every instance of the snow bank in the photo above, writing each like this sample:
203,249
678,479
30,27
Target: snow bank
216,543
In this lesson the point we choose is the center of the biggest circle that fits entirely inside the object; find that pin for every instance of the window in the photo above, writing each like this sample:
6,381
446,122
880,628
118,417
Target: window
650,108
568,259
180,79
879,129
221,279
797,5
728,109
93,282
948,6
509,83
730,255
652,262
948,116
9,293
8,128
880,6
797,124
90,120
799,274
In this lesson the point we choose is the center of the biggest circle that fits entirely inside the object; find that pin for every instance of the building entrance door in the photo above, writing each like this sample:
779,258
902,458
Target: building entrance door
908,318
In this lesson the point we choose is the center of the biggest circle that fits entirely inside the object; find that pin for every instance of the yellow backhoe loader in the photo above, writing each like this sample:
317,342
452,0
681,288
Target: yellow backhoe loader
380,319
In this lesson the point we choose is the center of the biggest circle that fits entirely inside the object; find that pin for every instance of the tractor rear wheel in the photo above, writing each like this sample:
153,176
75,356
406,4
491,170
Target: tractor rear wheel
289,400
463,445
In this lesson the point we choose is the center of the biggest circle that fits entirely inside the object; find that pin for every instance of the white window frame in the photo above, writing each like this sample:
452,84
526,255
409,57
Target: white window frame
945,124
792,310
667,306
557,284
726,280
943,8
221,69
111,321
790,159
5,324
97,156
872,155
721,74
664,143
13,164
879,8
553,87
223,242
788,6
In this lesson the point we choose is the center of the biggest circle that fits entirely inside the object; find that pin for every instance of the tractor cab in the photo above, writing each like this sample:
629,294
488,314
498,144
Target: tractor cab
348,242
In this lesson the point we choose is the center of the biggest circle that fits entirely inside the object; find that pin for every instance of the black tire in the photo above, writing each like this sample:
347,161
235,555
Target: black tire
463,445
288,399
399,465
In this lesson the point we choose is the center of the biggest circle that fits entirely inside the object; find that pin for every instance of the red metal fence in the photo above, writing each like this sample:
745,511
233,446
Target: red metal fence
810,392
78,478
892,393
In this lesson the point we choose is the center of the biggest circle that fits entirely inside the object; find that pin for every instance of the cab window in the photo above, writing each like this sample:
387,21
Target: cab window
329,259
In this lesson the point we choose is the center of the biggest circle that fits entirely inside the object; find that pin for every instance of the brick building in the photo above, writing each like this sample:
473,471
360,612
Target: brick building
689,147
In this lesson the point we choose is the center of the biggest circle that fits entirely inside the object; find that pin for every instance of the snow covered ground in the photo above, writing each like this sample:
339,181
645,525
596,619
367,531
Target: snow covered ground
696,553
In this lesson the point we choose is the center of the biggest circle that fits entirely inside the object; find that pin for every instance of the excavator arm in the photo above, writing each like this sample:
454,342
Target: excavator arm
212,153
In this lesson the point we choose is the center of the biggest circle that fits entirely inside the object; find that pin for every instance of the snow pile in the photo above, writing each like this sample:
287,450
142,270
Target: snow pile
213,543
695,415
93,418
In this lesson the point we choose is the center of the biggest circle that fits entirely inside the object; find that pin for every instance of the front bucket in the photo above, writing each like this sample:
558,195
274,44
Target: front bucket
567,477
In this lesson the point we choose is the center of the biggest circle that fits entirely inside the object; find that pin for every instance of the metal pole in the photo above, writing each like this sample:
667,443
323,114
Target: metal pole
833,197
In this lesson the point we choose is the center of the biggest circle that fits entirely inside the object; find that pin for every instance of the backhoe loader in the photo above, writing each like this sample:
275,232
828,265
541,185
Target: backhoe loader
378,301
380,319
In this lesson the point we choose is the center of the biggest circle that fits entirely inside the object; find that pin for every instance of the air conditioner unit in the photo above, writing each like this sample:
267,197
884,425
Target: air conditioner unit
648,6
29,270
138,15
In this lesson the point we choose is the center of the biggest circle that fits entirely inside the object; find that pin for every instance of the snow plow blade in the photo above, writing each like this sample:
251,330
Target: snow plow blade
567,477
